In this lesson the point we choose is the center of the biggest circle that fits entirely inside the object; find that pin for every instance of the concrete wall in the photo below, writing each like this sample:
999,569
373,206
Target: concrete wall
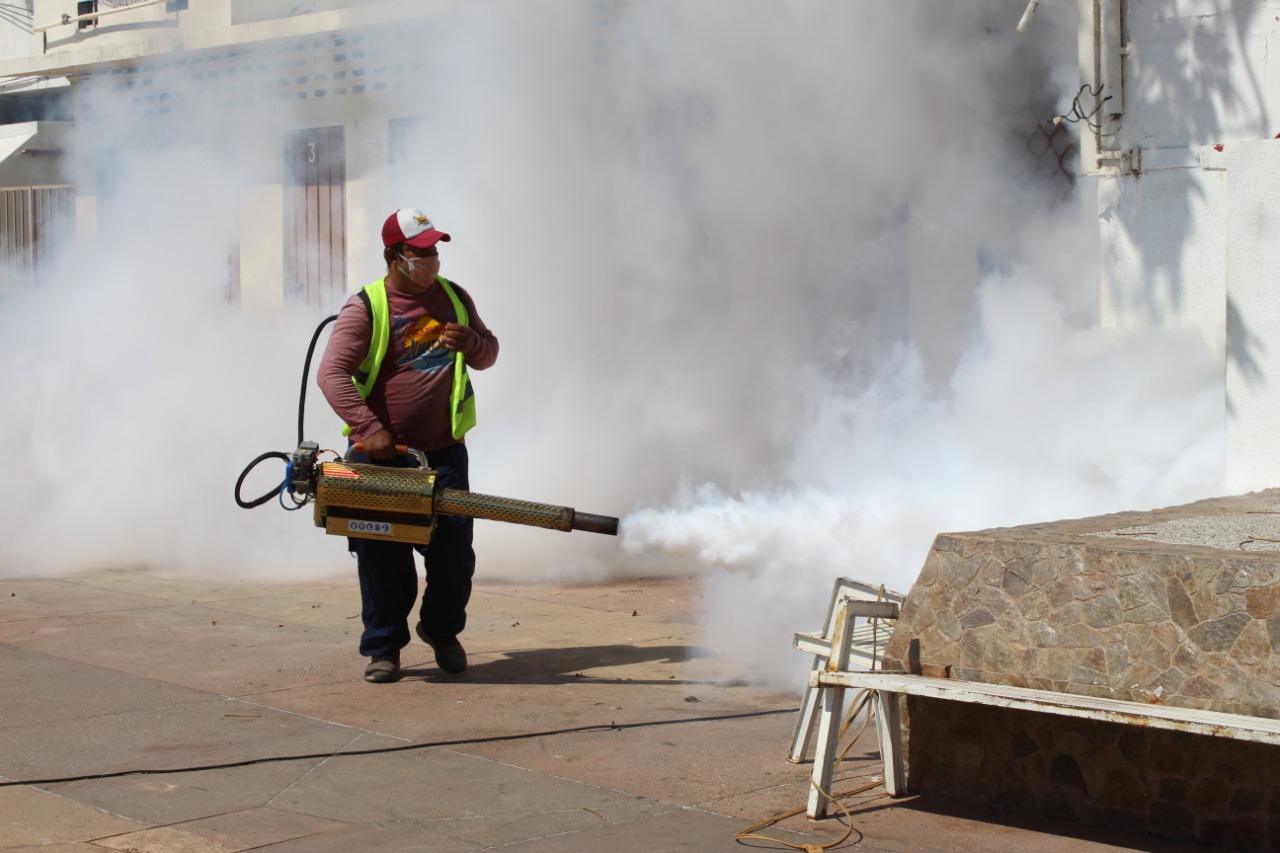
27,170
16,38
1184,224
149,31
19,43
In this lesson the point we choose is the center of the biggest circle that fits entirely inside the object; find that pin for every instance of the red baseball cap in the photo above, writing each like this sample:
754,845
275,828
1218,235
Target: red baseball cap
410,225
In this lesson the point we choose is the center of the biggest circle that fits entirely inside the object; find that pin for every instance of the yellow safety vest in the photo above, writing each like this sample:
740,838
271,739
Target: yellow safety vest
462,399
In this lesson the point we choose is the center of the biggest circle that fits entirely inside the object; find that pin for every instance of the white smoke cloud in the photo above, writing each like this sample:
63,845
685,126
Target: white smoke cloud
693,228
1041,421
136,391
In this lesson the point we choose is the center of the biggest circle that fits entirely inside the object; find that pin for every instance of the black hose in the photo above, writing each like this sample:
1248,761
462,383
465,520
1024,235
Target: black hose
302,408
270,454
306,372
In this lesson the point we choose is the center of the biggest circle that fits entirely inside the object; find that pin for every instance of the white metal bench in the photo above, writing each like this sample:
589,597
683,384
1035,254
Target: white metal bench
862,641
890,685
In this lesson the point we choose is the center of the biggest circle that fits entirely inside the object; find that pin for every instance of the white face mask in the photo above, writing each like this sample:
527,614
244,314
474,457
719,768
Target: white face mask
415,268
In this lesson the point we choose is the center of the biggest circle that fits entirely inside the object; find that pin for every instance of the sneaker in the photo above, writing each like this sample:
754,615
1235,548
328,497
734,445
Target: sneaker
450,657
383,669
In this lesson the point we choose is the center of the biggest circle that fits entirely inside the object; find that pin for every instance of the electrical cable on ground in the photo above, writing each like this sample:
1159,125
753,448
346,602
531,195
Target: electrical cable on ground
249,762
861,701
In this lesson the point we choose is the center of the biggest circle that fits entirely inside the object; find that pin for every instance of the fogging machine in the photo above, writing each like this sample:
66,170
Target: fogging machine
397,504
400,504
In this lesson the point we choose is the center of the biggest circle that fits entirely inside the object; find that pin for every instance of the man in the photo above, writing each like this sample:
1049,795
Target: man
395,371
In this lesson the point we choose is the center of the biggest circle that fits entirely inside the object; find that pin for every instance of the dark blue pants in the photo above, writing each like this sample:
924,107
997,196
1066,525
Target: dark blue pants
389,579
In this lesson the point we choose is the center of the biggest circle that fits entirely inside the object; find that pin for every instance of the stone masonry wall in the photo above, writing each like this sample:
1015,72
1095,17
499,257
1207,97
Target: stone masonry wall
1058,607
1171,784
1198,631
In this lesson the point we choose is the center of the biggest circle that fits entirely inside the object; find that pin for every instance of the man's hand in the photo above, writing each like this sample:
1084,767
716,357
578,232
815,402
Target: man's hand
459,338
380,445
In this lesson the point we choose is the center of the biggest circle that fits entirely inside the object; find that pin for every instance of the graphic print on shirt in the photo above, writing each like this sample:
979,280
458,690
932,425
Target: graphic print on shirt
421,346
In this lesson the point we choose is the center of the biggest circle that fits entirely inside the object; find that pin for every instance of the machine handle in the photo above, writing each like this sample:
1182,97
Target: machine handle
402,449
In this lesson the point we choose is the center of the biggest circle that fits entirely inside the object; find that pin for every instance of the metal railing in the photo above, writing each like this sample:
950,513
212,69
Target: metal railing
35,223
91,18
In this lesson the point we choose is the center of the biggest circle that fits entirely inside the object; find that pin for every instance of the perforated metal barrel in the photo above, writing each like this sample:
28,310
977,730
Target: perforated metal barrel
376,487
475,505
353,490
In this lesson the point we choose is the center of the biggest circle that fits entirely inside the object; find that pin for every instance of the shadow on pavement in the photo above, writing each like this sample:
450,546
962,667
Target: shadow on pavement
565,666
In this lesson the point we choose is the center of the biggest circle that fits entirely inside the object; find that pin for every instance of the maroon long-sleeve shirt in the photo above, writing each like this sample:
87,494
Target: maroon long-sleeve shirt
411,395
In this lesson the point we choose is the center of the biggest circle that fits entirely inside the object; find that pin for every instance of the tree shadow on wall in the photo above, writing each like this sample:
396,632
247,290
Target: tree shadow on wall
1243,351
1181,93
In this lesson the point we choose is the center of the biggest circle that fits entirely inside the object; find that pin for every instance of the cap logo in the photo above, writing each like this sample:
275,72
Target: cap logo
423,221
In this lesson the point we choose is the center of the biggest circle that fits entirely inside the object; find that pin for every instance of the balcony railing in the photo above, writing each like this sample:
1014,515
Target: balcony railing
89,11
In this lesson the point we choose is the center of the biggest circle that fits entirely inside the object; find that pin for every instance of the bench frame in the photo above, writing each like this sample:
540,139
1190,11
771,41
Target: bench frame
888,686
860,642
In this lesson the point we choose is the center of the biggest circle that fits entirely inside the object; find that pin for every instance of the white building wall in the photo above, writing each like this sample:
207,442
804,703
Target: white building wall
1184,228
141,40
19,43
1251,217
152,30
1160,271
16,37
1185,201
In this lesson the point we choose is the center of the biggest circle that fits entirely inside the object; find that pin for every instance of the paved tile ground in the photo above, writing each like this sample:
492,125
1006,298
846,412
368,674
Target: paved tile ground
154,714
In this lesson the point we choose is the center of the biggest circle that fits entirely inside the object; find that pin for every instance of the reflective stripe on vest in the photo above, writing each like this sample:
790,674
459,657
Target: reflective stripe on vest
462,399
